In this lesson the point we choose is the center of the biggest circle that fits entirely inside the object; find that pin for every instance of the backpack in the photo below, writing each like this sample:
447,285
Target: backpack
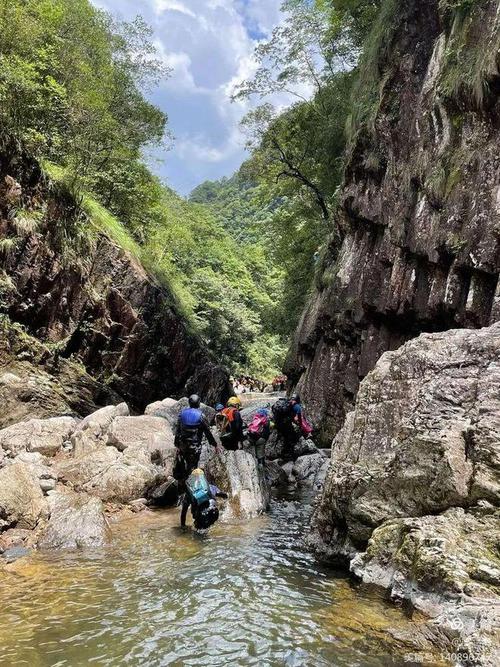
198,489
259,422
282,410
224,419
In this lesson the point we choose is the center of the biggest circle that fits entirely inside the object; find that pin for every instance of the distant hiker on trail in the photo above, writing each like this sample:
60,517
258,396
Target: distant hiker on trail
290,423
259,431
201,497
230,425
192,425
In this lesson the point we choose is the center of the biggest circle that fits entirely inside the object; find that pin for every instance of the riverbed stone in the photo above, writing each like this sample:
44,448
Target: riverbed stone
306,468
45,436
76,521
22,503
238,474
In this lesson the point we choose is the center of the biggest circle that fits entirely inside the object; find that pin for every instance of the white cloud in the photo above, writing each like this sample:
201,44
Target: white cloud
161,6
209,45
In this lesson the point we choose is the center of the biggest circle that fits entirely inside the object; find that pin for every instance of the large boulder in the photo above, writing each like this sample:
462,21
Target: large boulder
76,521
44,474
309,467
415,462
45,436
239,475
424,437
148,438
22,503
101,419
450,558
161,408
111,475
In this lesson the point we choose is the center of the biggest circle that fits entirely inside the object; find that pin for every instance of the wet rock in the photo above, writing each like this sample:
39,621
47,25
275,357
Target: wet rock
288,471
444,566
15,537
15,553
409,497
165,495
22,503
76,521
306,468
239,475
45,436
275,474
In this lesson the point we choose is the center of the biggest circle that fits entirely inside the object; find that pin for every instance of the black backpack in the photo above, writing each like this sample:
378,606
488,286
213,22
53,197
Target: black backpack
282,411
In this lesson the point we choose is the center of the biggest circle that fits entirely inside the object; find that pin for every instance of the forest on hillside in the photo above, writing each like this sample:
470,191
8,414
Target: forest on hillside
241,254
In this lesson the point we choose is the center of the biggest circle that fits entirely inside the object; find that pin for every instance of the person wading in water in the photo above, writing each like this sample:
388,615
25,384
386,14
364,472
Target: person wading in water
192,425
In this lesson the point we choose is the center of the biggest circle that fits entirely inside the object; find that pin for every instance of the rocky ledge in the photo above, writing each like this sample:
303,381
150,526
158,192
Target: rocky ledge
411,497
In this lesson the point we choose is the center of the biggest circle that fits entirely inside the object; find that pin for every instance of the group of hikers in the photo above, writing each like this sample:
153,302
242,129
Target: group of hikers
245,384
228,431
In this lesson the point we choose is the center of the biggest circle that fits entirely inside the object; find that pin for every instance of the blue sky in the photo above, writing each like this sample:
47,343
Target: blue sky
209,46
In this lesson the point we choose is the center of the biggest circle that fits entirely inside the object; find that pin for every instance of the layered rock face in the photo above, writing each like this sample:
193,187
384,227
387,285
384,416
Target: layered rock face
95,302
420,206
411,497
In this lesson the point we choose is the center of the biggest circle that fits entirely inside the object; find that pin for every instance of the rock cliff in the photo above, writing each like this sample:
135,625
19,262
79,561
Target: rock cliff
411,497
80,296
420,205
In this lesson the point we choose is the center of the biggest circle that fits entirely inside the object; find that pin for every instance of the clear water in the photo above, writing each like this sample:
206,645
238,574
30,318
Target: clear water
243,595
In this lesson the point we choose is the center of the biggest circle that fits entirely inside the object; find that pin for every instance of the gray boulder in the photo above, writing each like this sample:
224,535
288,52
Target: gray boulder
45,436
22,503
45,475
306,468
148,438
443,566
76,521
110,474
424,437
275,474
275,448
409,496
101,419
161,408
238,474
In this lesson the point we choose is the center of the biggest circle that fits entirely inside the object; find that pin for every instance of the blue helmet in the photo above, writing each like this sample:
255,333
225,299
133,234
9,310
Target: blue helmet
219,407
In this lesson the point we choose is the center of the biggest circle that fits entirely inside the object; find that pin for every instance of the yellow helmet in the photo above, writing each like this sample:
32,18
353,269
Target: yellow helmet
234,402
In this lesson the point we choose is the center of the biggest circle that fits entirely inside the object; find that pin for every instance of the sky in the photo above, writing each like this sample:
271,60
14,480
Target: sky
209,46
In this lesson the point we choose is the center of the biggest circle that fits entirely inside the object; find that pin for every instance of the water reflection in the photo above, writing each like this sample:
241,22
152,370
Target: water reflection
241,595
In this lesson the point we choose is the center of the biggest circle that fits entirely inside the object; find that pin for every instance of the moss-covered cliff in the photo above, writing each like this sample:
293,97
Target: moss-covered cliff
420,204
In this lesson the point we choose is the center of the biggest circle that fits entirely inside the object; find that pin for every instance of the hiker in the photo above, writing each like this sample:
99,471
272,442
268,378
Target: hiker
290,423
230,425
258,434
192,425
201,497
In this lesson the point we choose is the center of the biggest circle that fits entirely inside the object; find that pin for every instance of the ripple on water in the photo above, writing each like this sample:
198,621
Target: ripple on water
242,595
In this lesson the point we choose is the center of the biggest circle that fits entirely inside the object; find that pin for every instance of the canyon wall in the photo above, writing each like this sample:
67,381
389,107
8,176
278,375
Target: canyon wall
88,302
420,204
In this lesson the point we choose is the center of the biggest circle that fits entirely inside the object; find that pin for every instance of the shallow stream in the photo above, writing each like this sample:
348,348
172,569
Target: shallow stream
243,595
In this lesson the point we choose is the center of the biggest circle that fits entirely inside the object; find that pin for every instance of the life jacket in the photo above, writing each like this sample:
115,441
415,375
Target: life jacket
259,423
224,419
282,411
191,420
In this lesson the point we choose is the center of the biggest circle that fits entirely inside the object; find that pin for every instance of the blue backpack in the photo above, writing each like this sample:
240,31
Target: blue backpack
198,489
